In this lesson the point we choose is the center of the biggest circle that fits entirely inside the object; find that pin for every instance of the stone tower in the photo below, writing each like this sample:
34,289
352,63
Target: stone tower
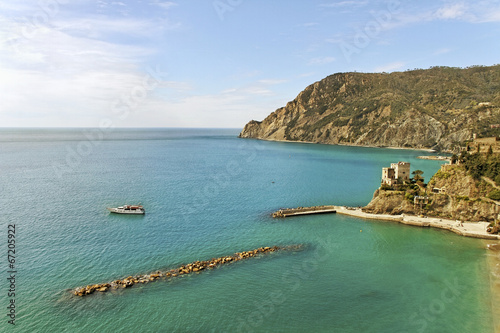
401,170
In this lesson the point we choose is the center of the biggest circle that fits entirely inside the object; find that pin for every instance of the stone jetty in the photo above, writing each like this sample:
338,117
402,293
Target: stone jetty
194,267
288,212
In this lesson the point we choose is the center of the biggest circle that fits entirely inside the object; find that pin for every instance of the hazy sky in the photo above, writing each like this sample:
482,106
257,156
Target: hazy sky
215,63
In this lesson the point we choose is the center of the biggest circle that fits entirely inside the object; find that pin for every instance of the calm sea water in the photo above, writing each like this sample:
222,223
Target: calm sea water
207,194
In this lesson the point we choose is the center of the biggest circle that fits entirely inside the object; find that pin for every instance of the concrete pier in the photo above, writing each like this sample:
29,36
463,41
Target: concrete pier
464,228
288,212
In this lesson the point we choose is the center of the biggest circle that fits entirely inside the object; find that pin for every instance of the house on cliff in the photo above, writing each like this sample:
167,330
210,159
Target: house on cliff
483,144
397,173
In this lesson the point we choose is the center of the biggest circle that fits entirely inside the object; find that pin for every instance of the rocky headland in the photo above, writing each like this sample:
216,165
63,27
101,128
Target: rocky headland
423,109
451,193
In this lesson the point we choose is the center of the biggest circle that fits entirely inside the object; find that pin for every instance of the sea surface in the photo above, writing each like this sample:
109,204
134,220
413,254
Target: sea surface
209,194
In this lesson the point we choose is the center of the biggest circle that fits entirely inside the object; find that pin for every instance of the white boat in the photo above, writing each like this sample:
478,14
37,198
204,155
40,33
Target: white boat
128,209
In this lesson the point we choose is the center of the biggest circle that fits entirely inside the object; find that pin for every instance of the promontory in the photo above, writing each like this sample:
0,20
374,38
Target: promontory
436,108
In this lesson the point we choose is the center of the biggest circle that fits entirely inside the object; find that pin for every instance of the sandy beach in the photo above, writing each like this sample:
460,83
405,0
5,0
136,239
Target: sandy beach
427,150
467,229
435,158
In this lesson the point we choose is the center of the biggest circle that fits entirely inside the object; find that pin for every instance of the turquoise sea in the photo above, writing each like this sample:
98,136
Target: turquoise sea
208,194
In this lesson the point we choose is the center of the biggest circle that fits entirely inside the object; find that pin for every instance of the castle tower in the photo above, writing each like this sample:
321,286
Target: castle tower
401,170
388,176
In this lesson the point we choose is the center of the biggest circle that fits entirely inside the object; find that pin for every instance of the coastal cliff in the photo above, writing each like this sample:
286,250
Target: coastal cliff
460,197
434,108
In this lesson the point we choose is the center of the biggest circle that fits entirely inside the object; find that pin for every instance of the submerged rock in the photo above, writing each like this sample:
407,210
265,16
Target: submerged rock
494,247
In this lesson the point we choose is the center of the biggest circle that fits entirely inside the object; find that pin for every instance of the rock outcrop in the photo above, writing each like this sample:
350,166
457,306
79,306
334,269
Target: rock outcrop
434,108
463,197
389,202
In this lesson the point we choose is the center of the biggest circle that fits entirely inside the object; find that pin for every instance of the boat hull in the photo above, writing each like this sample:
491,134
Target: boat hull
127,211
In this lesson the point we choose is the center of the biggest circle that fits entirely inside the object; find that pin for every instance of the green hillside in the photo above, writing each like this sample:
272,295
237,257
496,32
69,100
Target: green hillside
433,108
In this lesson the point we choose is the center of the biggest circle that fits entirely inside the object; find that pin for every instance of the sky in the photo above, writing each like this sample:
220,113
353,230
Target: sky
215,63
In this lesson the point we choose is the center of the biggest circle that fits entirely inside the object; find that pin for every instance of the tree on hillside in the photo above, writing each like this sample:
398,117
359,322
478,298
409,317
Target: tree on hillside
417,175
464,155
475,164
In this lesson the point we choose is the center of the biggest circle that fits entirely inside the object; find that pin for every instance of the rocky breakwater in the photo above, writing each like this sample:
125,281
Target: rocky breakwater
194,267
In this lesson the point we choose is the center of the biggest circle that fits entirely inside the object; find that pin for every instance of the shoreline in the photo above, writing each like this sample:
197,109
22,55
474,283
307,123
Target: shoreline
428,150
493,262
435,158
466,229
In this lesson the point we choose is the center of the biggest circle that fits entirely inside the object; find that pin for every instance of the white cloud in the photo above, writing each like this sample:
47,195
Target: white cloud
51,49
490,15
466,11
165,4
229,108
345,4
99,27
451,12
442,51
309,24
309,74
272,81
260,87
320,61
69,70
65,72
102,4
232,107
394,66
74,97
61,78
335,39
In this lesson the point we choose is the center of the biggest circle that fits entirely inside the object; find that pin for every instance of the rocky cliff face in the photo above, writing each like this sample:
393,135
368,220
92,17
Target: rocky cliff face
463,198
389,202
433,108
